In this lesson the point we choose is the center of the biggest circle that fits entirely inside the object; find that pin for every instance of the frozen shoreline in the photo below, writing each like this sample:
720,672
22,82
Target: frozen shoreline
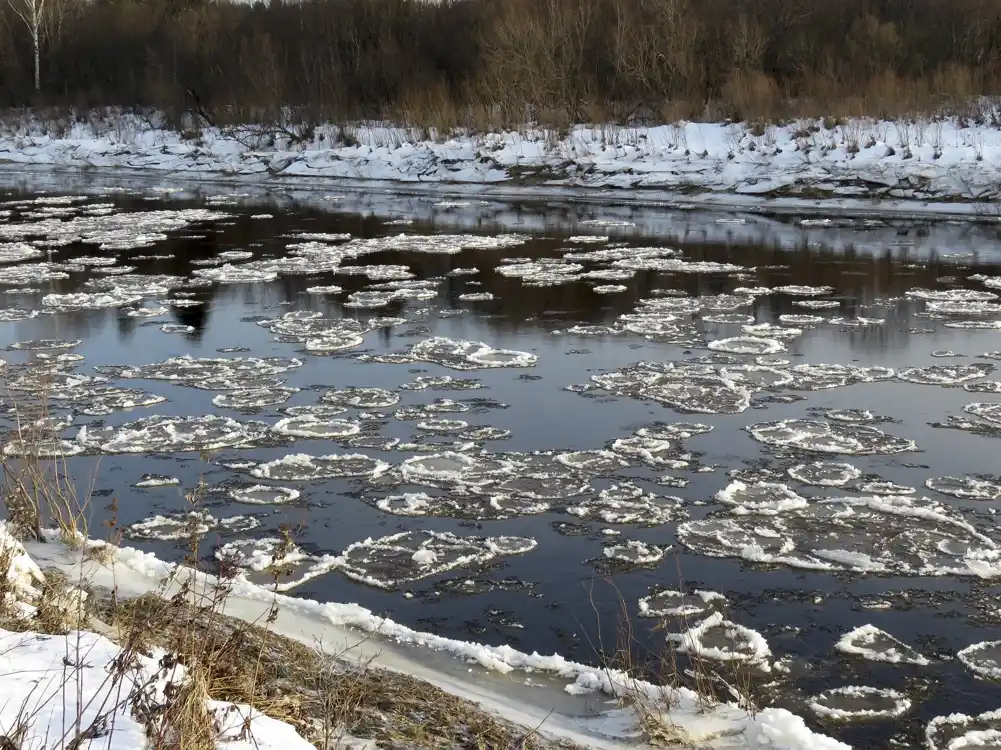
860,168
497,678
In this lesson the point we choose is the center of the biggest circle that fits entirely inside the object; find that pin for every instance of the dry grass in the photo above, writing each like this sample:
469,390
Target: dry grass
321,695
714,682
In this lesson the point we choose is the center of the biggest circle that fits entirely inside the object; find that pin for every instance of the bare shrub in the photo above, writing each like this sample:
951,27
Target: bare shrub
751,95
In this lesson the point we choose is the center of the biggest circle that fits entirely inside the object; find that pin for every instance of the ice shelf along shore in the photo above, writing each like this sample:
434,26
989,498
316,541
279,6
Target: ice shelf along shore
493,676
923,160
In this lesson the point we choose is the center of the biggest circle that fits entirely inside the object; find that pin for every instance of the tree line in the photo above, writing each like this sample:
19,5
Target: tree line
491,63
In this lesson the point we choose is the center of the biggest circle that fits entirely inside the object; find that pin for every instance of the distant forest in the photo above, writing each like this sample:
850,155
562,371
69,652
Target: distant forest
490,63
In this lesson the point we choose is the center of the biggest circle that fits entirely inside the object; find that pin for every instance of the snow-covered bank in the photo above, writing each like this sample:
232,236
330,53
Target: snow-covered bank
65,688
58,691
495,677
923,160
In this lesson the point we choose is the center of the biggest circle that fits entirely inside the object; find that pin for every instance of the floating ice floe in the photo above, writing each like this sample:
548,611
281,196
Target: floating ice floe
386,272
208,373
329,289
476,297
986,386
96,399
32,273
974,325
592,462
274,563
432,410
44,344
44,447
719,639
757,377
609,289
854,416
652,450
946,374
263,494
16,314
674,430
253,399
443,426
441,383
302,467
15,252
804,291
857,703
138,284
869,534
370,300
983,658
147,312
319,411
886,488
969,488
677,265
308,426
321,236
236,274
817,304
767,330
626,503
678,604
608,274
469,355
874,644
829,437
176,328
450,469
361,398
961,732
974,308
801,320
395,560
157,480
544,485
728,319
747,345
951,295
825,473
767,498
160,434
193,524
856,322
89,301
462,506
686,388
634,552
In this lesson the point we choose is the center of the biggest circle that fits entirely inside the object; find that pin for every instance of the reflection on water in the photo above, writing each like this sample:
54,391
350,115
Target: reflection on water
507,428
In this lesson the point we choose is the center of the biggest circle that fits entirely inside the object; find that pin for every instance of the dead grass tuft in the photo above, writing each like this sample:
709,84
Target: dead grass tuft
321,695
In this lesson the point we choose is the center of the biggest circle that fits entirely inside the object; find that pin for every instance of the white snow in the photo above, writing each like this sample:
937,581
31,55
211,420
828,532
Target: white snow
907,160
384,643
64,686
58,688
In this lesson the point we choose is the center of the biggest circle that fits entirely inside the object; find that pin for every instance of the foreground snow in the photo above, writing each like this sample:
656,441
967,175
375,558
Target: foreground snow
355,632
863,158
62,688
59,690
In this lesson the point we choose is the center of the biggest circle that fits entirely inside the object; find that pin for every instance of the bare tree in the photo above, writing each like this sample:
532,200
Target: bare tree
32,13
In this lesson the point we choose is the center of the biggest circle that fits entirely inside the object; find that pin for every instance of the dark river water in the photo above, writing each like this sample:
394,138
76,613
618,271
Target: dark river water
921,570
